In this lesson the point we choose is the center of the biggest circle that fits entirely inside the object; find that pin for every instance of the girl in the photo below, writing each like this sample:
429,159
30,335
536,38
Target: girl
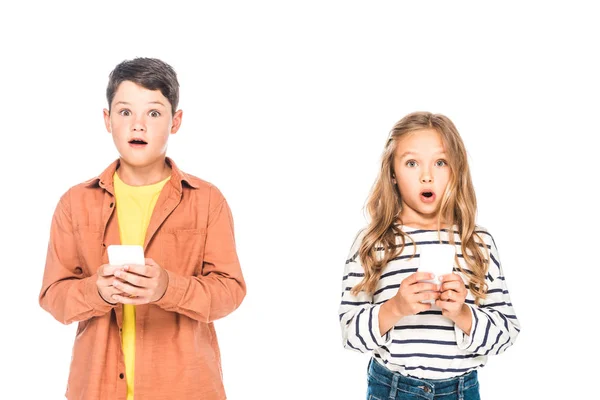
424,196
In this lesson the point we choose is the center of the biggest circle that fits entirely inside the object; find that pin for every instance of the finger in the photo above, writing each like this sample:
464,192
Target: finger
418,276
112,290
105,281
444,305
448,307
441,304
134,279
419,297
142,270
108,292
424,286
452,296
452,285
448,295
450,277
129,289
108,270
150,261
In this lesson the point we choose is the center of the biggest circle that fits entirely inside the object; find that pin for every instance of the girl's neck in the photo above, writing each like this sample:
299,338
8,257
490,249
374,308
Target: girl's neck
425,224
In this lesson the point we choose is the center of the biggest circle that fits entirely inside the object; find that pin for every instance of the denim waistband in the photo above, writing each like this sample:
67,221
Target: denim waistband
427,388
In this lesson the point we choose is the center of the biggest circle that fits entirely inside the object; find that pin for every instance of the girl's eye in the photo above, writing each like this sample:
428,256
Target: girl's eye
154,113
441,163
125,113
411,163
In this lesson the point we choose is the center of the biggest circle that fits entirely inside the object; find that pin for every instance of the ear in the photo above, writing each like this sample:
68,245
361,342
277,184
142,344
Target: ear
176,121
106,114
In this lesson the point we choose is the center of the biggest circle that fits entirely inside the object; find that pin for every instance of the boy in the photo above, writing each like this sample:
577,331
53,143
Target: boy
143,329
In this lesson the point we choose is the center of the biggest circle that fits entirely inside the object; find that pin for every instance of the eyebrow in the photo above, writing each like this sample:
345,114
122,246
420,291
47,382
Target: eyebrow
150,102
412,153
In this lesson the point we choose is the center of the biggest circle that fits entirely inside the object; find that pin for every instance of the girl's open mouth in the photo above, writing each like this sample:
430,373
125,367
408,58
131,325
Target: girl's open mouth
427,197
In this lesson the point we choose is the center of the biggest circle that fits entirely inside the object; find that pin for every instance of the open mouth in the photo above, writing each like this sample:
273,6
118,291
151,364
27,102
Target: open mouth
427,196
137,142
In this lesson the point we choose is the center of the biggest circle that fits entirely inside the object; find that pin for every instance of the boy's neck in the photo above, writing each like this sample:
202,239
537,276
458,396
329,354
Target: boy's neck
142,176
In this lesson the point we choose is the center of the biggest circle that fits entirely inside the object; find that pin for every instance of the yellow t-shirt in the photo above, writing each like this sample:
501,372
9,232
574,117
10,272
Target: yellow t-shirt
134,209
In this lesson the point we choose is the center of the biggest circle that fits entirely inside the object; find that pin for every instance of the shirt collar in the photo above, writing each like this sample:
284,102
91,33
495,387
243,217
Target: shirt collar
178,177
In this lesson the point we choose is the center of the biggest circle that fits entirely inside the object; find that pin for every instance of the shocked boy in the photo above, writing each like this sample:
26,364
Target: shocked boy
143,329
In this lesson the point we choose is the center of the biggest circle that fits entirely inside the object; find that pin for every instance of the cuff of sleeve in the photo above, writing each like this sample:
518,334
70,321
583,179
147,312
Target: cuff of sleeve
462,339
175,290
380,340
93,298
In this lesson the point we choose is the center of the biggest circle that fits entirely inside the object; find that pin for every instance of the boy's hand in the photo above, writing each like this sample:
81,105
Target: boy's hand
140,284
105,282
453,295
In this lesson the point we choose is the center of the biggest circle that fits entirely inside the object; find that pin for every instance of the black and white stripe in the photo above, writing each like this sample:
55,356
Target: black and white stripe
427,345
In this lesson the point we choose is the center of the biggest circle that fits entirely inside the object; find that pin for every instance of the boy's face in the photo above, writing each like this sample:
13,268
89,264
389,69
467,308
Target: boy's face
140,121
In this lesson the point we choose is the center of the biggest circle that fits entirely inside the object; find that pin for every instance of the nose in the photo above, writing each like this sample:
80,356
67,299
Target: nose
139,125
426,177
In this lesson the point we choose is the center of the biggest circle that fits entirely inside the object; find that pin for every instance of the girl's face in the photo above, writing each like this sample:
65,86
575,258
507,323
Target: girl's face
422,174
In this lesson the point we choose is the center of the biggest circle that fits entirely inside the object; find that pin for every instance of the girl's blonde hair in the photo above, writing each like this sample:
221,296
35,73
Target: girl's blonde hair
458,207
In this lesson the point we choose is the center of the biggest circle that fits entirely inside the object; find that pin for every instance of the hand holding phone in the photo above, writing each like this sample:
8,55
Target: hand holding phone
122,254
437,259
118,255
141,281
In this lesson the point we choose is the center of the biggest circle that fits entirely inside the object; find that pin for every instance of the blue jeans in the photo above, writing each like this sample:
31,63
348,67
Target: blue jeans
384,384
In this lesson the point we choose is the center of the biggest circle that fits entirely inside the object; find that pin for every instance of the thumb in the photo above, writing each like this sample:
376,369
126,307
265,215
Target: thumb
150,261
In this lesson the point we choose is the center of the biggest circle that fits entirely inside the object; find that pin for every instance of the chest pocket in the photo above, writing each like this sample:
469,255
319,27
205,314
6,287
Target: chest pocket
89,248
182,250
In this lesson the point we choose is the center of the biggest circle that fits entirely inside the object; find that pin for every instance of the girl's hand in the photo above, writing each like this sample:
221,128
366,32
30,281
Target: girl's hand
412,292
453,293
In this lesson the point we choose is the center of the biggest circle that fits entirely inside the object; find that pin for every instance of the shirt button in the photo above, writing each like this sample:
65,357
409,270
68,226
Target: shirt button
121,375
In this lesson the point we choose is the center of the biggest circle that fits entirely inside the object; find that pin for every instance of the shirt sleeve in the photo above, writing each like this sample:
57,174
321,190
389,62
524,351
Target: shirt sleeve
495,326
66,293
220,287
359,317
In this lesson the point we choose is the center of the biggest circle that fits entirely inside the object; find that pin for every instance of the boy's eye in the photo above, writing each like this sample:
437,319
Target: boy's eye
411,163
441,163
154,113
125,113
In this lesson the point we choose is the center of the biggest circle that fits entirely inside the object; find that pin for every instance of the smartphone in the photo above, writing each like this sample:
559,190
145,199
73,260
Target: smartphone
125,254
437,259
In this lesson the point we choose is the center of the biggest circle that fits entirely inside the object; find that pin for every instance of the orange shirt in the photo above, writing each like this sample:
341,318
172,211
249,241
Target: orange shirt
191,236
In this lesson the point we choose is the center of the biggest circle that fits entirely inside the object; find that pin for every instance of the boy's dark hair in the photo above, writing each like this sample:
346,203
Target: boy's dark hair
150,73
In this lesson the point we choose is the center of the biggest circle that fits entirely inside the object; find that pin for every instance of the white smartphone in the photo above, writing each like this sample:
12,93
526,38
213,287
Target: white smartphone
124,254
437,259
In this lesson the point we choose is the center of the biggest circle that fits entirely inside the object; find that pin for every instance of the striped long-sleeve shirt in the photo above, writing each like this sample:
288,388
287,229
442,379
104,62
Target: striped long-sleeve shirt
427,345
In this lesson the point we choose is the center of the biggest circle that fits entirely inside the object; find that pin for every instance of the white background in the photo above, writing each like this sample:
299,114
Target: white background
286,109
